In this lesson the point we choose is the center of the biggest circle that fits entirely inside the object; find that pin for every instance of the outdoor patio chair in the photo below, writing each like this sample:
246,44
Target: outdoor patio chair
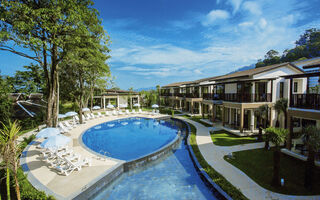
65,169
88,116
133,111
140,111
92,115
99,114
69,126
157,112
115,113
76,119
120,112
108,113
127,112
62,128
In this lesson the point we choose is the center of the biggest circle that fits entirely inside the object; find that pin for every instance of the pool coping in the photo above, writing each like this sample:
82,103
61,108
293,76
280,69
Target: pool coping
215,188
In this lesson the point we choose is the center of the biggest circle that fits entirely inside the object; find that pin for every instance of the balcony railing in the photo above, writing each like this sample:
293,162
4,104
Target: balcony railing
306,101
192,95
165,94
241,98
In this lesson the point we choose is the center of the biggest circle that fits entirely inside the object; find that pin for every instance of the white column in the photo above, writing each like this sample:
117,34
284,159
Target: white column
253,91
138,99
200,92
252,120
200,108
230,115
104,102
118,101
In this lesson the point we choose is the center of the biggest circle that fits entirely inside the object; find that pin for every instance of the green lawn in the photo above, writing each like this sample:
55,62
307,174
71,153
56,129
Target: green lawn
224,138
258,165
225,185
196,119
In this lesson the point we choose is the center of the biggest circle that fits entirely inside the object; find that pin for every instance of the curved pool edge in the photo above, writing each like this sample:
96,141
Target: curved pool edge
215,188
123,165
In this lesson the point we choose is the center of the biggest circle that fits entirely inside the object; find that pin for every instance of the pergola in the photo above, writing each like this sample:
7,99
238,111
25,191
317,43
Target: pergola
121,96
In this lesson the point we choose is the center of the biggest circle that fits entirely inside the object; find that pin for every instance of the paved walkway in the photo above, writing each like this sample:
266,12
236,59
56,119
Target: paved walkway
214,154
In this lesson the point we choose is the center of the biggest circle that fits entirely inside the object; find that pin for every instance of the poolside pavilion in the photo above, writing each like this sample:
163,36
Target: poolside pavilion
119,97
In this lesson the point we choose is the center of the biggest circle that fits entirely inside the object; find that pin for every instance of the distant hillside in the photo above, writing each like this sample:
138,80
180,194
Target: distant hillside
244,68
145,89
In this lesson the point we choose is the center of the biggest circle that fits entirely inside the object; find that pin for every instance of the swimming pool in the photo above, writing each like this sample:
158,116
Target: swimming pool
171,177
130,138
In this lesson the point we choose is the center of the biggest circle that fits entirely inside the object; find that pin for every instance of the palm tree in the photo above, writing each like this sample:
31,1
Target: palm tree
277,136
10,152
312,140
262,114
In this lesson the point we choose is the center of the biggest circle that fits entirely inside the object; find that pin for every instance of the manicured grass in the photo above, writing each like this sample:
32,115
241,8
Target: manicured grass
196,119
258,165
226,186
224,138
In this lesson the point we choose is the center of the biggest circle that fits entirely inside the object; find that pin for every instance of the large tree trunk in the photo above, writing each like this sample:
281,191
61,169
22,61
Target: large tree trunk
8,183
260,130
309,170
276,168
81,97
54,80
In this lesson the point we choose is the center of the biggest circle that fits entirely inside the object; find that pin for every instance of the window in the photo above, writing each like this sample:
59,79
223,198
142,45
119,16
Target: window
295,87
281,89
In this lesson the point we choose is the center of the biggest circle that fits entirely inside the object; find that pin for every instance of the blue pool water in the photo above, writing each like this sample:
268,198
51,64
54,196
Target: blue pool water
171,177
129,138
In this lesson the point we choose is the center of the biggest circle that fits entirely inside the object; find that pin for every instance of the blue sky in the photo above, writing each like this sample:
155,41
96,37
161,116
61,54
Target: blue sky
163,41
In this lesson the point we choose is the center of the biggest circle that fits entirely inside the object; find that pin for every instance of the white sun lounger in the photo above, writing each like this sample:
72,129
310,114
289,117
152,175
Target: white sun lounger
62,128
108,113
99,114
140,111
120,112
88,116
115,113
68,125
127,112
133,111
93,116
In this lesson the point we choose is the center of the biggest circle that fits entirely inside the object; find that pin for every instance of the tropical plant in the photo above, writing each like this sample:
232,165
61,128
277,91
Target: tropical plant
277,136
281,106
312,140
10,151
262,114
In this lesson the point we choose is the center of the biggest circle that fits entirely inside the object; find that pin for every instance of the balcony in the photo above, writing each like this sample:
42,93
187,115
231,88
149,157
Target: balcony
305,101
192,95
165,94
240,98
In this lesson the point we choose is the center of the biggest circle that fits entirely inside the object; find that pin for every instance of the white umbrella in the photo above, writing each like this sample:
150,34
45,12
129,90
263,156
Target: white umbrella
48,132
110,106
55,142
85,109
96,107
155,106
60,116
71,113
136,105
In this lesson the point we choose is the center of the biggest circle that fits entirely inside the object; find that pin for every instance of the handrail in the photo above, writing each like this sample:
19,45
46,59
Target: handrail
29,113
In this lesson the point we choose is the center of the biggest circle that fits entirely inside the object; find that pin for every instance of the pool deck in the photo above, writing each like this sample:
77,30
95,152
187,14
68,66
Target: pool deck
69,187
214,154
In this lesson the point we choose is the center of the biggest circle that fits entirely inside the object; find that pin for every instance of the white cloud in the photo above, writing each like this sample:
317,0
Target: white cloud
252,7
263,23
246,24
214,17
235,4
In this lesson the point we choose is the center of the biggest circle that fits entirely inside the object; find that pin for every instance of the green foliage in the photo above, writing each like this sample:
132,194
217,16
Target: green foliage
276,135
5,101
149,97
30,80
225,185
312,137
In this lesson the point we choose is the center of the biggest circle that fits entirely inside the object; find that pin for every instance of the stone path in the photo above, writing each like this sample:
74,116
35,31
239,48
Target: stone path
214,154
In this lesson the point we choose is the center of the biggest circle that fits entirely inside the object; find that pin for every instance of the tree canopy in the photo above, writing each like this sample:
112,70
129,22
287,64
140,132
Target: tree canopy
307,46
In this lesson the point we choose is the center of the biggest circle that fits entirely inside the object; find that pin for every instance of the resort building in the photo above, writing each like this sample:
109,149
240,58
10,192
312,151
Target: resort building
232,99
304,99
